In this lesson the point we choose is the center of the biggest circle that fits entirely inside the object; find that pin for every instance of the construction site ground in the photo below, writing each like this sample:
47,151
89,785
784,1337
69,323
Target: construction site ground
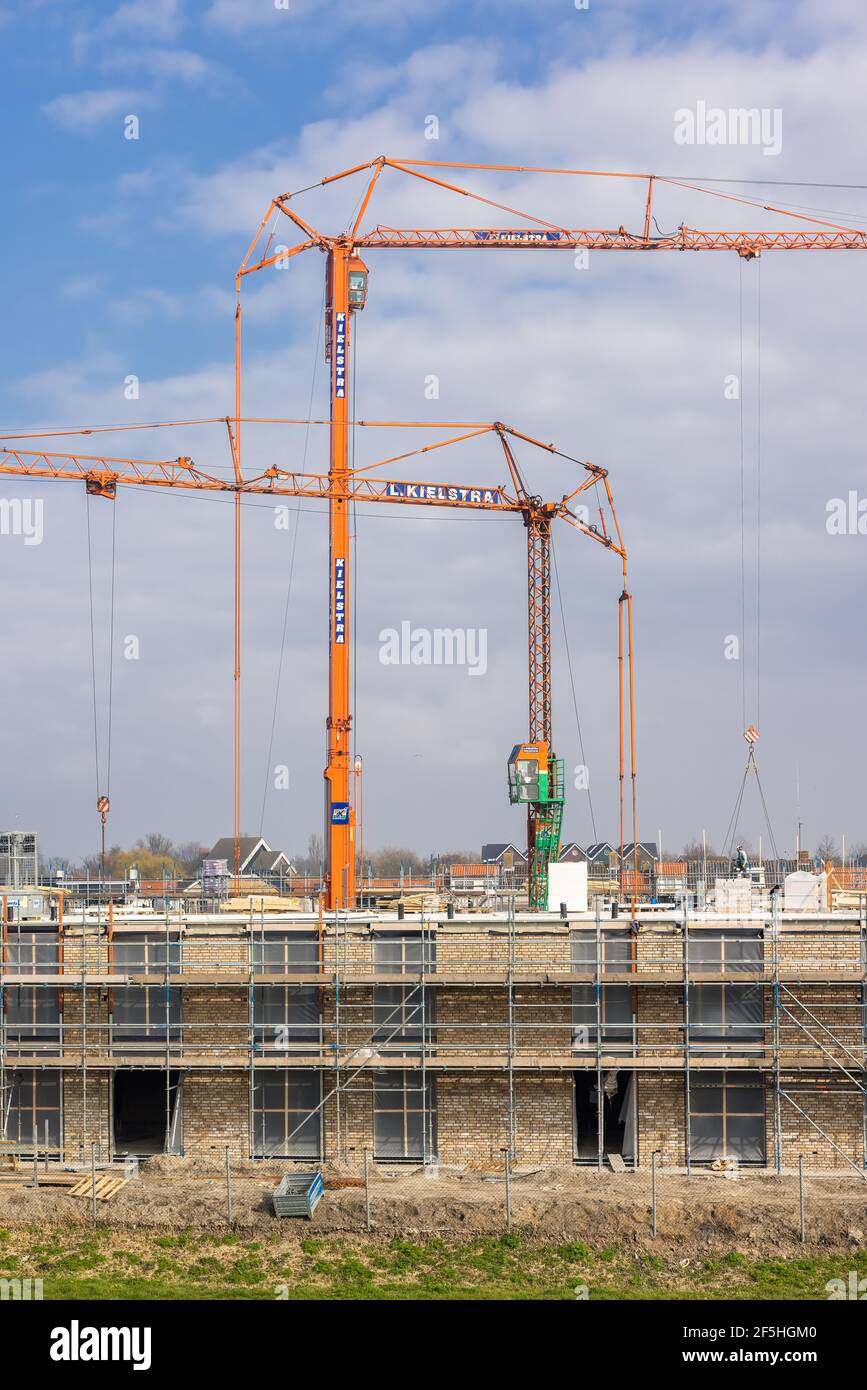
166,1234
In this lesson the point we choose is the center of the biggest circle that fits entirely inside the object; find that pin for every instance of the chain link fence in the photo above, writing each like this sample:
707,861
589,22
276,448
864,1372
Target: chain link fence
721,1203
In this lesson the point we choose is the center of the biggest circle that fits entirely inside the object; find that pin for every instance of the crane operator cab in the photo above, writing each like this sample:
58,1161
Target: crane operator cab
529,773
357,284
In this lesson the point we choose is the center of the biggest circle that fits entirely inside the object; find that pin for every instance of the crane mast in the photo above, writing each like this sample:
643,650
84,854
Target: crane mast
544,818
537,520
339,834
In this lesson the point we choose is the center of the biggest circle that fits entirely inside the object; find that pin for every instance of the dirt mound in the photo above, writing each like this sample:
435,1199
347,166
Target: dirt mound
204,1166
697,1215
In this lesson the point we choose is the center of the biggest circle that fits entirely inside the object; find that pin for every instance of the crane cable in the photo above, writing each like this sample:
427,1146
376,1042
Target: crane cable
286,604
102,797
757,614
743,491
750,732
758,490
731,832
572,683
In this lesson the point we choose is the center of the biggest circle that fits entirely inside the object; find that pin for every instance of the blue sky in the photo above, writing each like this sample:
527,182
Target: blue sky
120,258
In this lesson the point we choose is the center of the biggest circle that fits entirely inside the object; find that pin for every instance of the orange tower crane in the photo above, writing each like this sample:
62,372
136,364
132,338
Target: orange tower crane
102,475
346,279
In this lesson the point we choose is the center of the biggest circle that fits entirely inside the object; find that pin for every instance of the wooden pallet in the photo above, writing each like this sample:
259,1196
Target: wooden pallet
107,1186
23,1177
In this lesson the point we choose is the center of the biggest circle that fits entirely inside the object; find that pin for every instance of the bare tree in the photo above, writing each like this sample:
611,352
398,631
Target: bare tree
52,864
694,849
826,849
388,862
313,860
189,856
157,844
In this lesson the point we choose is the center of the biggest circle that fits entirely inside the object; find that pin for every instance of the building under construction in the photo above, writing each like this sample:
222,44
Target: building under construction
726,1027
442,1038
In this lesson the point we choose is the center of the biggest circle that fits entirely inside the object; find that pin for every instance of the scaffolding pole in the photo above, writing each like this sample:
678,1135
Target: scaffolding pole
251,1042
687,1095
167,1008
600,1106
425,1118
336,1092
4,1104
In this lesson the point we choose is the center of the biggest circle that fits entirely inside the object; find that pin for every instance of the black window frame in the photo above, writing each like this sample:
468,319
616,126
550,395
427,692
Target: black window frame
403,1014
285,953
615,1001
418,1097
721,1094
616,943
25,1100
32,1013
287,1018
302,1138
146,953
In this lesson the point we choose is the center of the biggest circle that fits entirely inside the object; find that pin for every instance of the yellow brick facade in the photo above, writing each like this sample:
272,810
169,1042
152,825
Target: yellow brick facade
498,1011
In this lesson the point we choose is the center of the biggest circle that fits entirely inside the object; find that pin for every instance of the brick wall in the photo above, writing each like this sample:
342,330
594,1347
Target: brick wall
661,1118
216,1112
472,1022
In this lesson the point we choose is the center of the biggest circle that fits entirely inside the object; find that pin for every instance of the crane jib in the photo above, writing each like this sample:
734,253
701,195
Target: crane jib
508,234
439,492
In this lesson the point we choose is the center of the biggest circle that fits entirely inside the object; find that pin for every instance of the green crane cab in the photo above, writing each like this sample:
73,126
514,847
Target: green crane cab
536,780
530,780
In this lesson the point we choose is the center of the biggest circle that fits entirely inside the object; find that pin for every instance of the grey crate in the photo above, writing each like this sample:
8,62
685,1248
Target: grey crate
298,1194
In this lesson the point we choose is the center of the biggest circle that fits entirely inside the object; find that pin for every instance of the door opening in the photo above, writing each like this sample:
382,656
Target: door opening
143,1124
618,1116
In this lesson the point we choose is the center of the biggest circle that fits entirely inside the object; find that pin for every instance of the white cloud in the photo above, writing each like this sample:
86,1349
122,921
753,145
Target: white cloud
248,16
172,64
84,110
244,16
81,287
623,363
159,19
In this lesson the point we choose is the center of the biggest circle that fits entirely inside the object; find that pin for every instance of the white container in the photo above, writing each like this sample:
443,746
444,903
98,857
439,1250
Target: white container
567,883
802,892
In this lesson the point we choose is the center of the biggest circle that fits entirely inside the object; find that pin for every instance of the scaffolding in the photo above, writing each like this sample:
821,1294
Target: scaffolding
422,997
19,859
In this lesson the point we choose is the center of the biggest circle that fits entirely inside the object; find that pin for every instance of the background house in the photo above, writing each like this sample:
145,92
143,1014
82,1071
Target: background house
571,853
257,857
508,855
